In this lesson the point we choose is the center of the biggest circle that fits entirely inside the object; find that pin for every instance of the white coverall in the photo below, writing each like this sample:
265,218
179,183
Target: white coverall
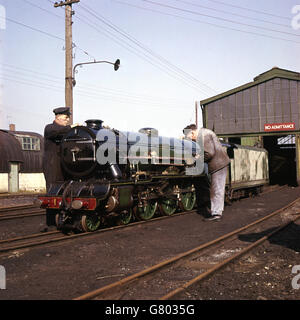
217,160
217,191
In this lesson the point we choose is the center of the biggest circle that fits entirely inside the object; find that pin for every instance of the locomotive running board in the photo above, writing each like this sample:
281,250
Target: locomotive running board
79,189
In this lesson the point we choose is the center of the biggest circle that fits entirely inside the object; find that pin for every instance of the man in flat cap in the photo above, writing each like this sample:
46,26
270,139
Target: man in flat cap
53,134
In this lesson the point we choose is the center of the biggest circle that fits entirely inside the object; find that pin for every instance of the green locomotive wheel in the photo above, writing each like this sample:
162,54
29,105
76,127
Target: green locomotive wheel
90,223
188,201
125,217
168,206
146,212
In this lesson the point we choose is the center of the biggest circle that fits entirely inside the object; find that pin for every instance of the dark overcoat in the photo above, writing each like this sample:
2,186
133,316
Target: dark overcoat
53,134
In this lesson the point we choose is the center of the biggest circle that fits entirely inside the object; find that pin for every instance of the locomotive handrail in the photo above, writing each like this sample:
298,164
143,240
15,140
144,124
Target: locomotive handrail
77,139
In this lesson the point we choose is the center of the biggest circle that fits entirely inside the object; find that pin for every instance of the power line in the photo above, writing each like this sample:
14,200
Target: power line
87,92
233,14
44,76
139,54
179,76
119,30
45,33
162,61
218,18
33,28
204,22
31,83
150,60
248,9
94,96
45,10
29,70
113,37
20,110
52,2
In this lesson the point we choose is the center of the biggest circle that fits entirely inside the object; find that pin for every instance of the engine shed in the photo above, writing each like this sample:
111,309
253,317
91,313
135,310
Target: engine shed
21,162
263,113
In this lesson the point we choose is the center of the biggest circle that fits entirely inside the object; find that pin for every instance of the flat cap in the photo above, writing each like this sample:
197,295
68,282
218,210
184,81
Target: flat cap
190,127
62,110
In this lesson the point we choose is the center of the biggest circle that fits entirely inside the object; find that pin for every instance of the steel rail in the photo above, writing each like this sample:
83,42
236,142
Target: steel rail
219,266
39,211
18,207
158,267
11,212
30,236
72,236
11,216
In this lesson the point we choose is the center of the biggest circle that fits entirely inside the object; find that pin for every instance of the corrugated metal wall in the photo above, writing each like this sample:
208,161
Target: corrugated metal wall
246,111
30,161
10,151
33,159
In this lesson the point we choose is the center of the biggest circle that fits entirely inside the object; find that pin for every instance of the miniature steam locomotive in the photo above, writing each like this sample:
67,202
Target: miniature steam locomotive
109,173
121,174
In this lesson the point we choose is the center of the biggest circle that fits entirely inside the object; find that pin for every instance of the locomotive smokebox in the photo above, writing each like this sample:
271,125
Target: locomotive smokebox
94,124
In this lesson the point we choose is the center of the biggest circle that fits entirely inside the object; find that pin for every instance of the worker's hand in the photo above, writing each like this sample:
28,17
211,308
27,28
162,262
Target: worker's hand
207,157
75,125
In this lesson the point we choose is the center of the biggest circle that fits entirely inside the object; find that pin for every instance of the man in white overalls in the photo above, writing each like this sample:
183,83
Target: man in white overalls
217,159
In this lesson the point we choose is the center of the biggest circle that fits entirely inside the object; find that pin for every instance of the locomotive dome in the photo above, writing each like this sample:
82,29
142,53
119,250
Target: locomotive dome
149,131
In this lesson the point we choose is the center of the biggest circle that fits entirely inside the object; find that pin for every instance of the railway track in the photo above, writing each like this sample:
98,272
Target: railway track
28,241
33,240
21,211
30,210
172,277
38,239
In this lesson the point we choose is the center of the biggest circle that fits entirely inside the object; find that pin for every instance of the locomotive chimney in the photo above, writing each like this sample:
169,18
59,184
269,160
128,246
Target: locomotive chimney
94,124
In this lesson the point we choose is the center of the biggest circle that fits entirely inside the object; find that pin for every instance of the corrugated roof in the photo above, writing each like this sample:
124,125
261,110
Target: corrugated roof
10,151
275,72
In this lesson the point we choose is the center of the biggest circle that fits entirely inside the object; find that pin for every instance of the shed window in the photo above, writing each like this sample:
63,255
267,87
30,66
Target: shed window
286,142
30,143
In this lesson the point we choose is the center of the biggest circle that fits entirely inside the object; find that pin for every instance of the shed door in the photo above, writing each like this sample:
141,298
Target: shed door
13,177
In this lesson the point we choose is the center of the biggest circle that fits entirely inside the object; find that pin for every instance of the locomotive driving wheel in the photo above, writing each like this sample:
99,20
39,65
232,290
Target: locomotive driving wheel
90,223
188,201
146,211
125,217
168,206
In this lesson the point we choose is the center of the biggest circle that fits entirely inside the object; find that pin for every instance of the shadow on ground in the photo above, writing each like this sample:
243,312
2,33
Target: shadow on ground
289,237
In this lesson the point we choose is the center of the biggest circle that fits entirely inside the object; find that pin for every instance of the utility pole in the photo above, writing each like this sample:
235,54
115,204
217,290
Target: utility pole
69,53
196,113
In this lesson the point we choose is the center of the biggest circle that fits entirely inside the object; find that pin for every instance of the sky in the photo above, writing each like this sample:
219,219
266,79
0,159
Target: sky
173,54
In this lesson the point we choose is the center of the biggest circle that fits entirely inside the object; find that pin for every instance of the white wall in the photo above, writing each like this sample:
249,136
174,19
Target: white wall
28,182
3,182
32,182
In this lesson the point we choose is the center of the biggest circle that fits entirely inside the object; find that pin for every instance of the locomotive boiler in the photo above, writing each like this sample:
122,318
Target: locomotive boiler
112,173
